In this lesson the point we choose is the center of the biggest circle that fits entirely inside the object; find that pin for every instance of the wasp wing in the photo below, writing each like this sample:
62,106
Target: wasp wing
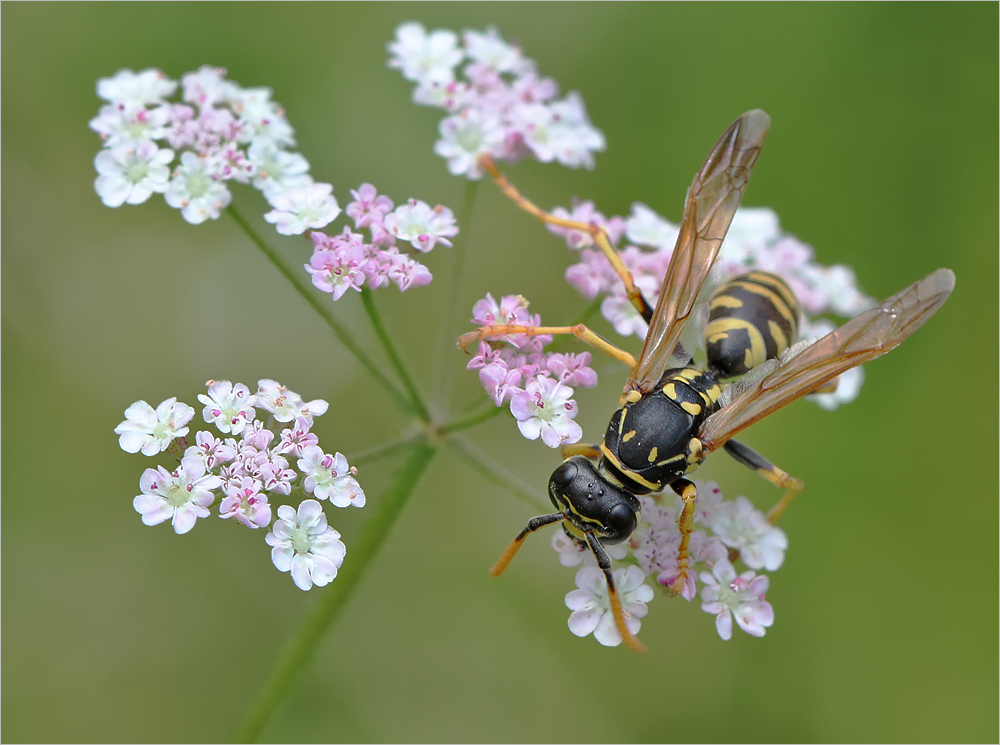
711,201
863,338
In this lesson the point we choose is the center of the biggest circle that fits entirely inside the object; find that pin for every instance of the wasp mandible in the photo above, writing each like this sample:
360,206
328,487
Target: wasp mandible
670,418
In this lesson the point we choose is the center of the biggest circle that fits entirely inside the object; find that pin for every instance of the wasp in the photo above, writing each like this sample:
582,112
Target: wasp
671,418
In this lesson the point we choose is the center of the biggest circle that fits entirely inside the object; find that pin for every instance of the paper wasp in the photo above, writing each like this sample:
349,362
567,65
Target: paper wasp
671,418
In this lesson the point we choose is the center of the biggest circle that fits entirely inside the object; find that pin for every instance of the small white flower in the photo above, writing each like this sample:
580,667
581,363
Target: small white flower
424,57
182,496
647,227
421,225
727,596
276,170
591,605
227,406
545,407
134,90
848,388
150,432
572,553
120,127
742,526
197,190
205,87
304,544
287,405
130,175
246,503
467,136
302,207
491,50
330,477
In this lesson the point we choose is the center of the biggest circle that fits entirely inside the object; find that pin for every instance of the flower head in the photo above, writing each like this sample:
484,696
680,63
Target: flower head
727,596
591,605
151,431
305,545
181,496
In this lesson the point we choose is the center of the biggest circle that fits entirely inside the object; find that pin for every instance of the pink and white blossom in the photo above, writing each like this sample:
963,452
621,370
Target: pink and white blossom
591,605
131,174
303,544
545,409
727,596
228,407
151,431
330,477
181,496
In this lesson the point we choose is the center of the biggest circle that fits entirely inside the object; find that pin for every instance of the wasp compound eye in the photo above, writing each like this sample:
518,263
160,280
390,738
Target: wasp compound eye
564,475
620,523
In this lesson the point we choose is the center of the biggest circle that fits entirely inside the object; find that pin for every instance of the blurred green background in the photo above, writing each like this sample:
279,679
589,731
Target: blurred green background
883,155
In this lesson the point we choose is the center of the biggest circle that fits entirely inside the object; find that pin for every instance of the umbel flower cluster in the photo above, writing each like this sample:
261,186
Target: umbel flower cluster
497,104
241,466
225,134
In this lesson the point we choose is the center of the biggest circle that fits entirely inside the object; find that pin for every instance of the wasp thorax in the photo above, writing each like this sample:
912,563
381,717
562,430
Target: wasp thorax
591,502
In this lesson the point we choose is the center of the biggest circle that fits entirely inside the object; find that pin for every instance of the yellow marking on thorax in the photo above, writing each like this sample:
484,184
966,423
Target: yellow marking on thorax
670,391
679,456
652,454
632,475
690,408
628,435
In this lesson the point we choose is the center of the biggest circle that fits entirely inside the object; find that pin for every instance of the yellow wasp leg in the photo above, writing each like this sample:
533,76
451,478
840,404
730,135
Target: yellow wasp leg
765,469
617,612
580,331
534,524
597,233
588,451
689,493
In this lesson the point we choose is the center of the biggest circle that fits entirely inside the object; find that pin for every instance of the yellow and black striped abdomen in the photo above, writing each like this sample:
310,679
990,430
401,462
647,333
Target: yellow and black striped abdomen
752,318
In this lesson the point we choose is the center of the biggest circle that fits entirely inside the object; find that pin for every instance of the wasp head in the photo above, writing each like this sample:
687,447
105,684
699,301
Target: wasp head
591,503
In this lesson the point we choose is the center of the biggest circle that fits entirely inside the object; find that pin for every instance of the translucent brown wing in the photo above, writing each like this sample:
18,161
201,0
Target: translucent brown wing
711,201
863,338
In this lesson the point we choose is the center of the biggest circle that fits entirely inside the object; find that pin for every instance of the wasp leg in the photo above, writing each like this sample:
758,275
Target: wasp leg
752,459
533,524
580,331
597,233
604,562
689,493
588,451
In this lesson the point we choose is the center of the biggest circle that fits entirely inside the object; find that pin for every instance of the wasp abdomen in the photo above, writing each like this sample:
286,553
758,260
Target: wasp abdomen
752,318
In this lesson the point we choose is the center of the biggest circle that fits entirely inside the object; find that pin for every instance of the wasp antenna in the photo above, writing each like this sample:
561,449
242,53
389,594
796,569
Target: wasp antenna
534,524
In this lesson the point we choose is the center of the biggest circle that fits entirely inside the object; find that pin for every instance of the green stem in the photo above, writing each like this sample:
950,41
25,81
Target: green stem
480,462
341,332
380,451
472,420
332,600
446,348
417,401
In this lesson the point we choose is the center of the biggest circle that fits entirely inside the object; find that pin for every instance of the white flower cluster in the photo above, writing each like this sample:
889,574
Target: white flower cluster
727,527
223,133
497,104
243,471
